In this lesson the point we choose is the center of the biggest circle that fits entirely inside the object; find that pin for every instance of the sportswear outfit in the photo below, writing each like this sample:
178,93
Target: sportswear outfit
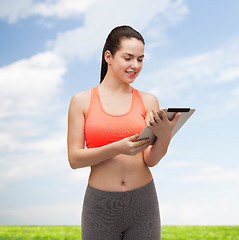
127,215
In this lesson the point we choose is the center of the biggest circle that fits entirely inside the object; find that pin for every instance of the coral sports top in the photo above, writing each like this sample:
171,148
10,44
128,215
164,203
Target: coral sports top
102,128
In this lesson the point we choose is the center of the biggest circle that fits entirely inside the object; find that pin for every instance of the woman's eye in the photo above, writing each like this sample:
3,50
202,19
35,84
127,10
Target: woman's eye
127,59
140,60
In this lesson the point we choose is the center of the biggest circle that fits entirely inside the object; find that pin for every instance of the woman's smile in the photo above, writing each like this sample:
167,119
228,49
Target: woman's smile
131,73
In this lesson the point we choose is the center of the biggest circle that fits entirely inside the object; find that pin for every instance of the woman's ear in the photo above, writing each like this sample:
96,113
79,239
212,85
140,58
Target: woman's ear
108,56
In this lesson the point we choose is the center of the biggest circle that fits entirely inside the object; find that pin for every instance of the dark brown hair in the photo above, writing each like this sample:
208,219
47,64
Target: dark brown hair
113,41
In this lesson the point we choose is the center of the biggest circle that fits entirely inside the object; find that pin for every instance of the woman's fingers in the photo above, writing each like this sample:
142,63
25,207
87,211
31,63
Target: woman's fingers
141,142
175,119
130,145
163,114
143,146
160,124
153,118
139,146
156,116
133,138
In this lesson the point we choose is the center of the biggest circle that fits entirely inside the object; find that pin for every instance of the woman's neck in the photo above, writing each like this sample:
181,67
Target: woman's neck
114,84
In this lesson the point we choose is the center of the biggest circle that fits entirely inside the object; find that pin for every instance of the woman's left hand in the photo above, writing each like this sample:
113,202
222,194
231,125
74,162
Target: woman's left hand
162,127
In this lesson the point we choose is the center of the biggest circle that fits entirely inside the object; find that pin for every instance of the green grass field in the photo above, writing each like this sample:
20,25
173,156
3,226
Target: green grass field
73,232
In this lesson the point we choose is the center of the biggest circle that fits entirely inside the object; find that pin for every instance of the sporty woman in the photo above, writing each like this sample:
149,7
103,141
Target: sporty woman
120,200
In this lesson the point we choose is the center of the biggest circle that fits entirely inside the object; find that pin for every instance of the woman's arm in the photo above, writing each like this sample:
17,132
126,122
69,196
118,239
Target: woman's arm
162,128
80,157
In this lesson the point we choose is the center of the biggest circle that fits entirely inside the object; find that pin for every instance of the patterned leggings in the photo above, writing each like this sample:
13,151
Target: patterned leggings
130,215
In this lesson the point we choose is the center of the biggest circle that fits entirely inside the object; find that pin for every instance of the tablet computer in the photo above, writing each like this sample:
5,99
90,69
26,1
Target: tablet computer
186,113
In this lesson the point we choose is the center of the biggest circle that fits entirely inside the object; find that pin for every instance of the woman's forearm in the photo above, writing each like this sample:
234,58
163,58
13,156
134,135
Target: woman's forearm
154,153
80,158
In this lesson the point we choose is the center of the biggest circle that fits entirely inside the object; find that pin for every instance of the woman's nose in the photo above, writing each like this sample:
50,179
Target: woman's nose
135,64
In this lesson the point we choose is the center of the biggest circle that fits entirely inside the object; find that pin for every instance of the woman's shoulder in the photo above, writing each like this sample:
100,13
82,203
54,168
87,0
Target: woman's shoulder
81,100
148,96
80,96
149,99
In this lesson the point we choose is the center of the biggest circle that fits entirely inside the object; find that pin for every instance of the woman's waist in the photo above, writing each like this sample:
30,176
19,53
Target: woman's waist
121,173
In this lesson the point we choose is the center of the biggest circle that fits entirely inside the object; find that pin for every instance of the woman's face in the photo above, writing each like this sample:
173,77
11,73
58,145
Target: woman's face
127,62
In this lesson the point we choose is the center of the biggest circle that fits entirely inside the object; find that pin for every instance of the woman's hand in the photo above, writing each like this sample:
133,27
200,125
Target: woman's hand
161,126
129,145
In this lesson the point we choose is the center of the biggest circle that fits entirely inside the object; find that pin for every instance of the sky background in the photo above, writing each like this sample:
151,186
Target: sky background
50,50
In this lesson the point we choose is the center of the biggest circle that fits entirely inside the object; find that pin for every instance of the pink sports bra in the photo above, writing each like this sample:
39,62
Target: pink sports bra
102,128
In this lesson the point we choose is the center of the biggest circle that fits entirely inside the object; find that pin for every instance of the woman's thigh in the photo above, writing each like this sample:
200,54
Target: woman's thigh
144,216
102,215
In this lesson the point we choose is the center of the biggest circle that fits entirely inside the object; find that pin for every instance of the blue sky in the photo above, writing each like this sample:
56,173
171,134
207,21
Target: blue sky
51,50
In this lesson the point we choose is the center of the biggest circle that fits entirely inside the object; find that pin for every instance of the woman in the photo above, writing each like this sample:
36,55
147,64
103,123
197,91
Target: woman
120,200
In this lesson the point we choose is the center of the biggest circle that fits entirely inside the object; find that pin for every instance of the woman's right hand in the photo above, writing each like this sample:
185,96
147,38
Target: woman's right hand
129,145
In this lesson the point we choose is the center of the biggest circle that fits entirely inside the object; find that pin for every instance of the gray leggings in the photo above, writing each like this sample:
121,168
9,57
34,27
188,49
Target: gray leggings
130,215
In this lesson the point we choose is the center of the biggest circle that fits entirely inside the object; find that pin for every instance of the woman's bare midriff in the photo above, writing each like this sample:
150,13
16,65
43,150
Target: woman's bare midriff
121,173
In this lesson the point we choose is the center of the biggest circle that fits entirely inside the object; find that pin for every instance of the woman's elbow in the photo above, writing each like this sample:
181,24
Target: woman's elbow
150,163
72,164
72,161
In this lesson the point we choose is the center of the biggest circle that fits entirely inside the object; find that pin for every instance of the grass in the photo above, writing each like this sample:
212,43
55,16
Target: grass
73,232
40,232
200,232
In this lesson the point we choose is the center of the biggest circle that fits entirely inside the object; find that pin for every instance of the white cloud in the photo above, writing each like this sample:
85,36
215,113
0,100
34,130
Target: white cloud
12,11
208,69
51,144
54,214
201,171
29,84
232,102
176,10
79,175
152,18
212,174
25,161
29,98
203,213
181,164
62,8
88,40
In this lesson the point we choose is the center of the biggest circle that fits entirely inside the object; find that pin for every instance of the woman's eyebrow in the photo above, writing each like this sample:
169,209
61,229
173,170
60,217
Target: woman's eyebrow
131,55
